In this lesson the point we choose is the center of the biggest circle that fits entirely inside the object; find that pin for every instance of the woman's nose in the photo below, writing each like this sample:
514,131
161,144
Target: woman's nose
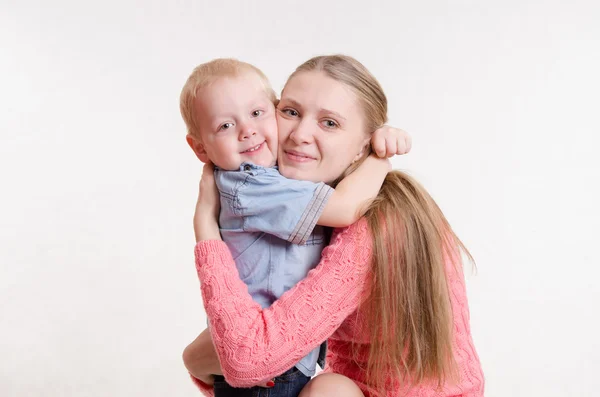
302,133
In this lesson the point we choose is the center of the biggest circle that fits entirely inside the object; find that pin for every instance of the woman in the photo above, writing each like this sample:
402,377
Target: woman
389,294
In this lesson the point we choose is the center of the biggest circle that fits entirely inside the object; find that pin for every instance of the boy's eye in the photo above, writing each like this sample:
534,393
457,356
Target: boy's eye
226,126
257,113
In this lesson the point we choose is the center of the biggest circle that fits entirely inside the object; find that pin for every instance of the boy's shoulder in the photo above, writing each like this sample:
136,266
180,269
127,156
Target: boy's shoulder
250,176
249,170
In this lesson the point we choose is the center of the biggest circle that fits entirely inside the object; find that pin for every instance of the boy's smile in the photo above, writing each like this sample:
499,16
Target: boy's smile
237,122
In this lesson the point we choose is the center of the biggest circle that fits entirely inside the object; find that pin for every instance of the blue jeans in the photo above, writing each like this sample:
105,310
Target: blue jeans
288,384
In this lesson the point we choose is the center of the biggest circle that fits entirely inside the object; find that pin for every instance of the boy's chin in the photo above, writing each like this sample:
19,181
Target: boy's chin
261,163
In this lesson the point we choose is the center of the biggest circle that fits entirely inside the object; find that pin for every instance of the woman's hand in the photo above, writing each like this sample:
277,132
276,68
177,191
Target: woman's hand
206,217
389,141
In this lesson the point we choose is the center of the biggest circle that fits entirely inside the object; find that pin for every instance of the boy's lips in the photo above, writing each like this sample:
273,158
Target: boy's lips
254,148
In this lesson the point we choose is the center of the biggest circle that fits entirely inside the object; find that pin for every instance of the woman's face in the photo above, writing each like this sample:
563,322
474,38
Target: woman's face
321,128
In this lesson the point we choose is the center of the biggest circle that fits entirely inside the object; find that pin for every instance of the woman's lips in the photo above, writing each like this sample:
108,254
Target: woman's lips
298,156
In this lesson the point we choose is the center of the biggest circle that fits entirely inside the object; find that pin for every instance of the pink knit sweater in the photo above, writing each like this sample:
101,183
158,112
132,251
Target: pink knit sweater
254,345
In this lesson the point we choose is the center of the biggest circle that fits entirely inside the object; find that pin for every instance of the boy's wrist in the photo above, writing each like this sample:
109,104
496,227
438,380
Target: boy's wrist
384,162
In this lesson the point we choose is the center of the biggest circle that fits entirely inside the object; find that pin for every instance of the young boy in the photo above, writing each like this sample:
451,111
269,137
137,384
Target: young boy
273,226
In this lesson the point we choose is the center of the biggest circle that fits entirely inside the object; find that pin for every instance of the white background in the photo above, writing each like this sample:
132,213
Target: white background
98,292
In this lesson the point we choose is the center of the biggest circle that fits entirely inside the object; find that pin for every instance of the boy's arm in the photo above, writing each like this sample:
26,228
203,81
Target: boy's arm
290,209
285,208
351,197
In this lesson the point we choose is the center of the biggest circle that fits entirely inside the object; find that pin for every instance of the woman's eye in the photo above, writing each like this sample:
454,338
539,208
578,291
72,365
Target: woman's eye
226,126
257,113
329,123
289,112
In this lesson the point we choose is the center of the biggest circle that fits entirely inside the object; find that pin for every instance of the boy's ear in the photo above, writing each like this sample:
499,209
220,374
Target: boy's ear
197,147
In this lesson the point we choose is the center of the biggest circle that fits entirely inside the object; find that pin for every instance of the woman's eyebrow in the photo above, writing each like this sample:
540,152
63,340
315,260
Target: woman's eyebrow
291,101
297,104
336,114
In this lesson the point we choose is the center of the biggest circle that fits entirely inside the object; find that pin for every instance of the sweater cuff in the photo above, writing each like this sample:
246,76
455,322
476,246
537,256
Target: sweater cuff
212,252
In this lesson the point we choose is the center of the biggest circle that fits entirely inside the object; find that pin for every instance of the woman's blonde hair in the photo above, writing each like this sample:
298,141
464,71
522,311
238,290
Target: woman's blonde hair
408,308
207,73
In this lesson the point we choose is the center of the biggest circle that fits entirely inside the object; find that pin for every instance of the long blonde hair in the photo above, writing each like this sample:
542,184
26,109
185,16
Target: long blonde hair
408,309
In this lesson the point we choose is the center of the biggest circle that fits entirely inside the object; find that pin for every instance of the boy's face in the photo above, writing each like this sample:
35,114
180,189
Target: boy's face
237,123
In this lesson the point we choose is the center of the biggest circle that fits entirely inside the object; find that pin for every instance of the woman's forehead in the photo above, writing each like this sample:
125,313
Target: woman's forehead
317,90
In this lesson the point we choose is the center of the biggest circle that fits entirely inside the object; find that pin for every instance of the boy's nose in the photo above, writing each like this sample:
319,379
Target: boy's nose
247,132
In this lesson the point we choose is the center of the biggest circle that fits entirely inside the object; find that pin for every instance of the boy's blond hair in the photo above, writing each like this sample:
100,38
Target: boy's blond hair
207,73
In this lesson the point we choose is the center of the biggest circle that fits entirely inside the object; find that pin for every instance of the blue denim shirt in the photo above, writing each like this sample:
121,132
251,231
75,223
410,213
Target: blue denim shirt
269,224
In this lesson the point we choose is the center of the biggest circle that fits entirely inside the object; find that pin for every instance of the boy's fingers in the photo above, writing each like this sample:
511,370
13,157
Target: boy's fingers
391,146
401,148
379,146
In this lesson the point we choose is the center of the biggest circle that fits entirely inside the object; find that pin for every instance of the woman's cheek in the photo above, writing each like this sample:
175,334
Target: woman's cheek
283,129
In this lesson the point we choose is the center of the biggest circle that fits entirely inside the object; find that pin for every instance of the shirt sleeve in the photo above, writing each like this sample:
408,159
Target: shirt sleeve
286,208
255,344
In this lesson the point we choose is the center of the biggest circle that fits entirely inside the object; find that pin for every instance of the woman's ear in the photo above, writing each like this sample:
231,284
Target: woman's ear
364,150
197,147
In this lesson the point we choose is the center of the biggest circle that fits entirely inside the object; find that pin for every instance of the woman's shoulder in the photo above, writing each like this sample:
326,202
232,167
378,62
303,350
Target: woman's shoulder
360,228
356,237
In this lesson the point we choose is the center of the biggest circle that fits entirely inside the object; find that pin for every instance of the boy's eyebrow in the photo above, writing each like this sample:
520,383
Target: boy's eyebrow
323,110
260,101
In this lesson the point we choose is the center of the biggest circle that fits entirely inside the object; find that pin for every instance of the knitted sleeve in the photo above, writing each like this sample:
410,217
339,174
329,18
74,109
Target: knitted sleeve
253,344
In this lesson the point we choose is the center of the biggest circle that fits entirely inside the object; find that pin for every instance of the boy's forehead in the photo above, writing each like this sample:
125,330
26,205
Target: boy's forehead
244,79
227,94
233,88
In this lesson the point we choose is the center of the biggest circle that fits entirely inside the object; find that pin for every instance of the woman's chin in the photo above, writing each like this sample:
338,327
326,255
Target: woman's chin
287,171
292,172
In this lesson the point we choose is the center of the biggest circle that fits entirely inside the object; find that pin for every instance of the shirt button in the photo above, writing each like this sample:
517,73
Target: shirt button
247,168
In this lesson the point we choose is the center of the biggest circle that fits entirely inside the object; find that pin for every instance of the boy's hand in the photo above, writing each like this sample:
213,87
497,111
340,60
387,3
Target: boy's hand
206,217
389,141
